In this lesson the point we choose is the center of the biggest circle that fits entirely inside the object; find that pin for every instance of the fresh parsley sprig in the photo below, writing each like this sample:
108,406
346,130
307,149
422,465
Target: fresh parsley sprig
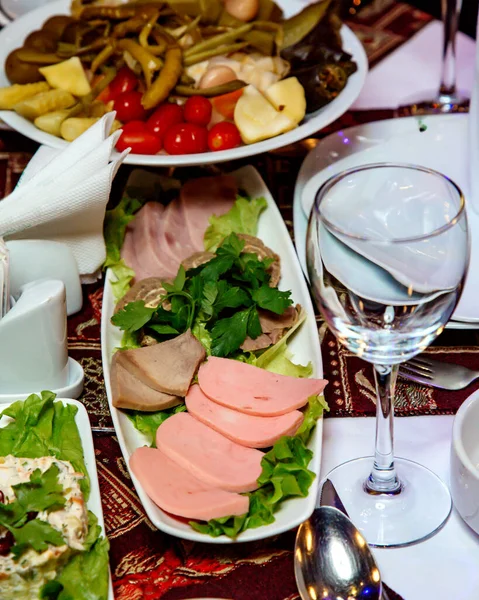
220,298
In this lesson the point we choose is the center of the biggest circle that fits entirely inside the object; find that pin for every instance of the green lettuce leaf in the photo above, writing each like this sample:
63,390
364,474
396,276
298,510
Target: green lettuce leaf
148,423
84,577
42,427
123,275
114,227
285,474
242,218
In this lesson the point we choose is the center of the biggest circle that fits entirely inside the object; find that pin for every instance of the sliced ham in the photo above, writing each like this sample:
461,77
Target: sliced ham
252,390
204,197
176,491
146,236
208,455
130,393
167,367
128,254
176,233
247,430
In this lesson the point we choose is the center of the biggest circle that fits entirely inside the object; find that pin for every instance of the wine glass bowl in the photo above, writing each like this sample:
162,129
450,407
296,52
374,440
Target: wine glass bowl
387,254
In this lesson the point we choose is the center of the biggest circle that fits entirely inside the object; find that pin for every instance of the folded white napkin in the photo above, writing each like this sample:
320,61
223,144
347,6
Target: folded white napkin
413,71
62,196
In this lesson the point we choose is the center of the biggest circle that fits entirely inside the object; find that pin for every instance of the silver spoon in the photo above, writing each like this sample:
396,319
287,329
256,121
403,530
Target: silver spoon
332,560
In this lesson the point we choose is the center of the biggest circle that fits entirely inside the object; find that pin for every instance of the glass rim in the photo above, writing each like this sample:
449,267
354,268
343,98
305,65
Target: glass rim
332,181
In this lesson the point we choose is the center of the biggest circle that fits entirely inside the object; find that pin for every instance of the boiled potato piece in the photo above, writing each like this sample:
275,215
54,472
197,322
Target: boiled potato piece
72,128
288,97
43,103
9,96
68,75
52,121
257,119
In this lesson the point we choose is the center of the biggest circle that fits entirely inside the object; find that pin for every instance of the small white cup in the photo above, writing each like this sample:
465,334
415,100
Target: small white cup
465,461
33,340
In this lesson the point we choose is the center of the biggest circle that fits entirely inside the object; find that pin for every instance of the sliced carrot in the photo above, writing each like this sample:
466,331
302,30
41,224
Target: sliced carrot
226,103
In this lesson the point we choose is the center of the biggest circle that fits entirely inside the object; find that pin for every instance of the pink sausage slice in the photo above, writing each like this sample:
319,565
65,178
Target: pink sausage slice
247,430
252,390
177,492
208,455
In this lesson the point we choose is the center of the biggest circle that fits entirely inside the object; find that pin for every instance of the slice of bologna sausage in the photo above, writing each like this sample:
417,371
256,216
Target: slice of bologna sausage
247,430
208,455
252,390
177,492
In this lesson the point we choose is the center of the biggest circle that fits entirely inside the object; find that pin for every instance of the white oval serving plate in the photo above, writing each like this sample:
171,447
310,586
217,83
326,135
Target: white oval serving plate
304,346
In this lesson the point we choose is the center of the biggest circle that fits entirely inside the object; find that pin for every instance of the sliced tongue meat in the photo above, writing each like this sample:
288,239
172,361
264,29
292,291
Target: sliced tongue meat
178,492
201,198
247,430
167,367
131,393
252,390
208,455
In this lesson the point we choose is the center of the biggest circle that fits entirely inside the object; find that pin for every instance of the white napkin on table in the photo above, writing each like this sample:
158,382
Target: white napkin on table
413,71
62,196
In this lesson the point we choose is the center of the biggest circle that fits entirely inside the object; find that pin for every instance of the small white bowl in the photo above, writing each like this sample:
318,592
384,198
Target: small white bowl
465,461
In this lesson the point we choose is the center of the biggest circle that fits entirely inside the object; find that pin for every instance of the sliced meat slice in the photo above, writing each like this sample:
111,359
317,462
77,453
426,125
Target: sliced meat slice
147,238
176,233
131,393
128,254
150,290
270,321
203,198
247,430
252,390
197,259
168,367
208,455
177,492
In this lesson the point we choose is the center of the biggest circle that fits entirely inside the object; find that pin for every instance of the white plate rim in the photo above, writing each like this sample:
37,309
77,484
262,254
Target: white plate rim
250,179
383,131
326,115
84,428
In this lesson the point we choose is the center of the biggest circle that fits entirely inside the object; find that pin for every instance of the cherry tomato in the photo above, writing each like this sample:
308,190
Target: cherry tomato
225,104
198,110
223,136
164,117
136,136
124,81
128,107
186,138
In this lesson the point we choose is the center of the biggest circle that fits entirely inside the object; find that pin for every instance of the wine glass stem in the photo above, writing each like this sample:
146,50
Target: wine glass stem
450,10
383,478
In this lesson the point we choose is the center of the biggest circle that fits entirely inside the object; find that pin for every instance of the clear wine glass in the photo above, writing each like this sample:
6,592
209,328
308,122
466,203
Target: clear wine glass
447,99
387,253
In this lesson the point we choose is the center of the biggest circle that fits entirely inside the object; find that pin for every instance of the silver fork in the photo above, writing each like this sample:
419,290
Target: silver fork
437,373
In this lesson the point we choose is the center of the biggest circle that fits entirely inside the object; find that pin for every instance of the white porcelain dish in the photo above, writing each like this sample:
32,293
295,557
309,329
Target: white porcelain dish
305,347
465,461
12,36
83,423
398,140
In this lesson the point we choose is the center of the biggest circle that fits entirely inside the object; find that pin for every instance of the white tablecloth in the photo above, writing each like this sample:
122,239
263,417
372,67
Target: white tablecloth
445,567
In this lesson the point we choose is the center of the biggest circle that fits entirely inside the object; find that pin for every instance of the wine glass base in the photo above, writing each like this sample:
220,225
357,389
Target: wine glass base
442,104
415,514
